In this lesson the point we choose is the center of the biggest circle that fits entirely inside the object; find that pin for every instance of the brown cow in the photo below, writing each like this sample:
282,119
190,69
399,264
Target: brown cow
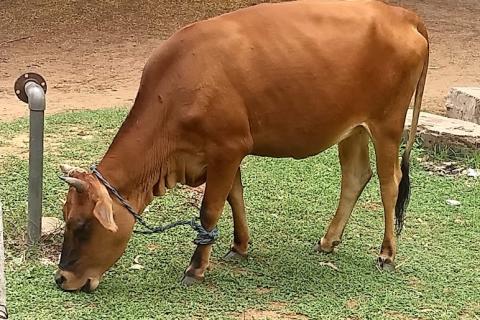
279,80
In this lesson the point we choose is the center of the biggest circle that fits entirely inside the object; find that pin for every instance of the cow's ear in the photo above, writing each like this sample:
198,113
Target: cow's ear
103,211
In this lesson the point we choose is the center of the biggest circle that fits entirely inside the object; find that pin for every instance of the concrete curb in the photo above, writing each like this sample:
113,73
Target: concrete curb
464,103
437,131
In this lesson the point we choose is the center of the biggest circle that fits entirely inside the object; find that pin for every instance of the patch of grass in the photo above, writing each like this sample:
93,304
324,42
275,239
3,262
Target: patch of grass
289,205
470,158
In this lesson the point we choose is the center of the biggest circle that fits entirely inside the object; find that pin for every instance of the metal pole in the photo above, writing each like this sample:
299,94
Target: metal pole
31,88
36,103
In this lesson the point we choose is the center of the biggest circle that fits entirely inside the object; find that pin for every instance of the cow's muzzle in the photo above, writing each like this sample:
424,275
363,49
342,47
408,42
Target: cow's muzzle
68,282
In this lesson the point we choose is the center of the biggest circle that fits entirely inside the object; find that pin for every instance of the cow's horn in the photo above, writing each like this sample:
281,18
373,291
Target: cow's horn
76,183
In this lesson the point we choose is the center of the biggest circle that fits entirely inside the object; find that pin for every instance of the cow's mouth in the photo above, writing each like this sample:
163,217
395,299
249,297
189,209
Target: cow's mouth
91,285
87,287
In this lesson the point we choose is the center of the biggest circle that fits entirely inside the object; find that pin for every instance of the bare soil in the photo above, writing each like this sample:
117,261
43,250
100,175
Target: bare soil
92,52
276,310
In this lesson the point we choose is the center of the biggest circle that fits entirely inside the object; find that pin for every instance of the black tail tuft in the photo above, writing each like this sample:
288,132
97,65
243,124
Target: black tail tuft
403,196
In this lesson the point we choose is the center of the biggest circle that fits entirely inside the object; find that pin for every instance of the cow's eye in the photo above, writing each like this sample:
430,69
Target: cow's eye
82,230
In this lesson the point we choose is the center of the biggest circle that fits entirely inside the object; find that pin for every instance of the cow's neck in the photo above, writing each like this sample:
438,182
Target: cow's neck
139,153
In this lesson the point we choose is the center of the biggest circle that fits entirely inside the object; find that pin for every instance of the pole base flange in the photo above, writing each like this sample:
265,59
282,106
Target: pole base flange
23,79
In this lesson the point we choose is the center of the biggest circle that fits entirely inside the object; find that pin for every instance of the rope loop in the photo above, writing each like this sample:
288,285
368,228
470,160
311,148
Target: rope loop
204,237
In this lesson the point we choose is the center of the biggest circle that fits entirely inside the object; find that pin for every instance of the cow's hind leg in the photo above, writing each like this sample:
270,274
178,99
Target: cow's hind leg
240,227
221,173
387,141
356,172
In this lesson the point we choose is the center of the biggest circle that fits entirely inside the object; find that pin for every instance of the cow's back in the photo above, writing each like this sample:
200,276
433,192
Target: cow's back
296,76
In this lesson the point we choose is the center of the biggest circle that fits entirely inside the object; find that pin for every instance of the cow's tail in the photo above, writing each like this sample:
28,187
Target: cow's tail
404,186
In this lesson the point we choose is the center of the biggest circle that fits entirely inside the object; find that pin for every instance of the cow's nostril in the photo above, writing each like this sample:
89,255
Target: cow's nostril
59,280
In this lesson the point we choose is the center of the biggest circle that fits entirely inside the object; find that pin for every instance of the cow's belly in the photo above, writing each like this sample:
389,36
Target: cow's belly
285,135
291,147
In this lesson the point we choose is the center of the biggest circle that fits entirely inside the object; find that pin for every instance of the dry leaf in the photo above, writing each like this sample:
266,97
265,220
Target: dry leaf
136,266
330,265
453,202
137,259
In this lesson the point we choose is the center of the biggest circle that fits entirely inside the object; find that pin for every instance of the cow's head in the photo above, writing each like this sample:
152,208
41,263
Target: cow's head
97,230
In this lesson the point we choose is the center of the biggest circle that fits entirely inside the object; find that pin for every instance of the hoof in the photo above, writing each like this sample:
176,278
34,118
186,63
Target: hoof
190,281
233,256
322,247
385,263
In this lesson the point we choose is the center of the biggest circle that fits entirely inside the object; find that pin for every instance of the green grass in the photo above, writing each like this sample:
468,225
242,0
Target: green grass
289,205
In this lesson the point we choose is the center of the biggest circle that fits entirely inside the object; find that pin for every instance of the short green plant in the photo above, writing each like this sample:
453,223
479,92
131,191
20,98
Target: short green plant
289,205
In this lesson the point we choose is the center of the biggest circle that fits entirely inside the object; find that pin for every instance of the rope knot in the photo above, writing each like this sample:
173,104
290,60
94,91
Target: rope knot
205,237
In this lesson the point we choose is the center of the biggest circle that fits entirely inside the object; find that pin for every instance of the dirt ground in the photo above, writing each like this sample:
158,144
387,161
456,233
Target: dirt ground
92,52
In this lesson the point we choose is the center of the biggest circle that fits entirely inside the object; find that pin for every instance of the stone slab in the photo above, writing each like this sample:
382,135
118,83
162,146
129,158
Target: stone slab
51,225
464,103
434,130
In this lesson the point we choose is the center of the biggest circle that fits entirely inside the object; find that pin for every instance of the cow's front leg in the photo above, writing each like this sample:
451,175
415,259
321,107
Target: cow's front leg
220,177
